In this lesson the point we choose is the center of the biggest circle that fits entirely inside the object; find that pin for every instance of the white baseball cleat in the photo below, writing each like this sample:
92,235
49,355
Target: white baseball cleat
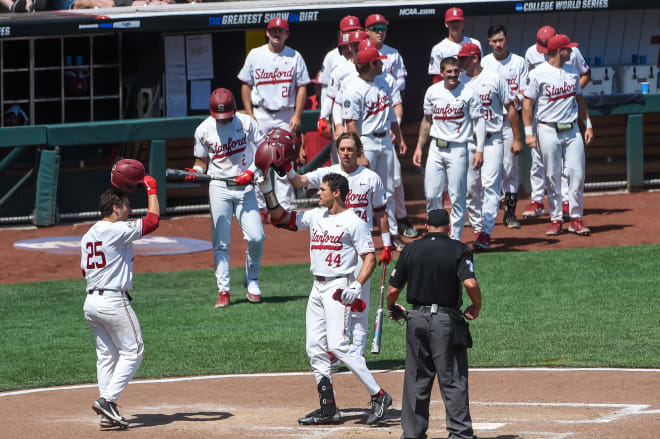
253,291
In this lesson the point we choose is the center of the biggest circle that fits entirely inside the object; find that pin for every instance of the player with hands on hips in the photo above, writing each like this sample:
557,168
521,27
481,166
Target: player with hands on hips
555,87
107,265
484,184
225,144
512,67
366,198
452,117
338,238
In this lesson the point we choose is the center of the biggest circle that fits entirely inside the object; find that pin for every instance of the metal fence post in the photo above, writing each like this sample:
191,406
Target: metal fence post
635,152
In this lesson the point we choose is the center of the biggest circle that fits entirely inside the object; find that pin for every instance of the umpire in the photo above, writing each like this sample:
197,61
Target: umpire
437,335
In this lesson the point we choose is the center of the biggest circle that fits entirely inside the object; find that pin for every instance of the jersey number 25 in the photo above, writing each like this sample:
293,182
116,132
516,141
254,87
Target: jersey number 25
93,252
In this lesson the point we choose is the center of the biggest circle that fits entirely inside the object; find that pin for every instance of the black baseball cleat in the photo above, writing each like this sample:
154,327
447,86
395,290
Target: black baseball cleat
511,222
317,417
109,410
379,405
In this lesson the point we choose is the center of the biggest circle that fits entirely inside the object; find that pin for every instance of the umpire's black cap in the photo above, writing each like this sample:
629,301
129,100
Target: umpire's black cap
437,218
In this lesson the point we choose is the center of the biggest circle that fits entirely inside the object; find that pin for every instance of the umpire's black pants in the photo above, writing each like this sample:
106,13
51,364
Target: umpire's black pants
428,352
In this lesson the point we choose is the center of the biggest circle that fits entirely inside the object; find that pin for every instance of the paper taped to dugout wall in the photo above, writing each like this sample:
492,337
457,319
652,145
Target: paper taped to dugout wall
175,76
200,93
199,56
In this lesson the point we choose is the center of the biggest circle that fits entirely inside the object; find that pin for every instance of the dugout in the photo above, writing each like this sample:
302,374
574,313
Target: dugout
120,53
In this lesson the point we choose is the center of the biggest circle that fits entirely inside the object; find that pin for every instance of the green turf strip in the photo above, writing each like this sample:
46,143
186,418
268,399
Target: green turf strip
595,307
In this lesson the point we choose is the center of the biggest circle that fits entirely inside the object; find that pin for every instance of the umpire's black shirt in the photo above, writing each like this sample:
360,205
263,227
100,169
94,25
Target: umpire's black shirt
434,268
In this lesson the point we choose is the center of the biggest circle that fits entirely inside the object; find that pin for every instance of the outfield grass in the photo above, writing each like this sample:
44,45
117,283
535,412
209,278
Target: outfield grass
595,307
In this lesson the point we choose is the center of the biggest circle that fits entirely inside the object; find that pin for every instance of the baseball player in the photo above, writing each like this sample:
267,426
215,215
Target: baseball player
367,101
331,60
484,184
225,143
452,116
555,87
338,238
366,198
512,68
274,90
376,27
107,265
535,55
451,45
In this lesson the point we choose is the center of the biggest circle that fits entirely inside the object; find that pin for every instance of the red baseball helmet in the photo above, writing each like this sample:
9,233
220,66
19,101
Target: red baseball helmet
222,104
273,153
126,174
280,135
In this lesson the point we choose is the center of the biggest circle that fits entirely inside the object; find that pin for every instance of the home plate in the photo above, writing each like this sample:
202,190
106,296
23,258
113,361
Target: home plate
481,426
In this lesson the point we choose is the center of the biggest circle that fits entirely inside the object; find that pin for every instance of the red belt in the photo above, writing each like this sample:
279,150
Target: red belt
326,279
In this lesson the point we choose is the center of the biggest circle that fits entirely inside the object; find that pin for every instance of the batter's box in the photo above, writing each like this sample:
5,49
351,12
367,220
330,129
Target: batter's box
552,412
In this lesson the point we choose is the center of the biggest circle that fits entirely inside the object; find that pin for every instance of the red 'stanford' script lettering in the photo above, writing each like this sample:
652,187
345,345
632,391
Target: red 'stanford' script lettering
554,93
263,76
485,99
378,105
232,147
513,83
356,199
326,241
448,112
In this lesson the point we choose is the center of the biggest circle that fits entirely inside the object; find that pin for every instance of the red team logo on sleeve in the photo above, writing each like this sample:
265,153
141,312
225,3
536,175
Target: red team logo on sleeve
326,241
565,91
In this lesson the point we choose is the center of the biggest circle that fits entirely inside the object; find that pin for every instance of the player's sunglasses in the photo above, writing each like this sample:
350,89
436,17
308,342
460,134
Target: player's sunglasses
377,28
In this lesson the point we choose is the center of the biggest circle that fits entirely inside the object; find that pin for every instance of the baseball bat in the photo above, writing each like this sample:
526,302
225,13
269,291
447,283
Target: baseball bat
378,325
180,174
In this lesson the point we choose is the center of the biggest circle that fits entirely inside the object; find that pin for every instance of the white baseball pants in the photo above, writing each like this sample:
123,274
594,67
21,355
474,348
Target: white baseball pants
380,153
563,153
227,201
484,185
509,161
359,326
327,324
448,164
537,176
399,196
284,191
119,345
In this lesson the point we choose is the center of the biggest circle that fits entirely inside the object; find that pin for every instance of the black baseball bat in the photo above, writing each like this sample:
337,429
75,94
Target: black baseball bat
180,174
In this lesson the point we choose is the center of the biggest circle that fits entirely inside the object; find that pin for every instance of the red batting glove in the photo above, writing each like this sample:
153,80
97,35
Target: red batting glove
323,127
191,178
386,256
150,184
245,178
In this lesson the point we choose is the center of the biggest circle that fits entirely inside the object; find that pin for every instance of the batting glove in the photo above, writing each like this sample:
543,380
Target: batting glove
351,293
386,256
245,178
323,127
191,178
150,184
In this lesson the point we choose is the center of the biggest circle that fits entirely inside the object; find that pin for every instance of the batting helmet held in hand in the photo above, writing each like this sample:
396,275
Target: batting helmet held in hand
274,153
126,174
280,135
222,104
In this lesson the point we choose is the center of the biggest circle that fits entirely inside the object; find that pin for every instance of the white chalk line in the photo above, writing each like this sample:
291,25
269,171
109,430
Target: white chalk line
291,374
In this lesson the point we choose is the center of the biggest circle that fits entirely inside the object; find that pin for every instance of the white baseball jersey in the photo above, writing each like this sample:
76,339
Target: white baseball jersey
533,58
445,49
329,63
229,147
494,93
368,103
452,111
512,68
394,65
554,91
274,77
107,254
366,192
335,241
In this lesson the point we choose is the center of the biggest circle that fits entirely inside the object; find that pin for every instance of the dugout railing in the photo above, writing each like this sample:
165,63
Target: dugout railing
47,141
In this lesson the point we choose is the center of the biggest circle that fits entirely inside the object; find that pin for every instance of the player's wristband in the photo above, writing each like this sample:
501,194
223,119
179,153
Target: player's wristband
387,239
199,169
528,131
587,123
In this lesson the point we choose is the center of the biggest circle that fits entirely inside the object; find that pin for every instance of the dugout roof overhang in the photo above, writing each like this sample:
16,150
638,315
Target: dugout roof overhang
205,17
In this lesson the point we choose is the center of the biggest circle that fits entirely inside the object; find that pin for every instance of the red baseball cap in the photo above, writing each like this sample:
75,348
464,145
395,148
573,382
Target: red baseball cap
279,23
454,14
468,49
366,44
368,55
543,36
349,23
357,36
375,19
560,41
